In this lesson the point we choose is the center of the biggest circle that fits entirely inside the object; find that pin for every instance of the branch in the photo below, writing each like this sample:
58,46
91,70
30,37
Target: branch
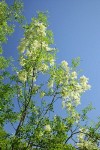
26,105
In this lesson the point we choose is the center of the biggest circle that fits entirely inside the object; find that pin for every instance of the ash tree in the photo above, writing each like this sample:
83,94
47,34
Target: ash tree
30,91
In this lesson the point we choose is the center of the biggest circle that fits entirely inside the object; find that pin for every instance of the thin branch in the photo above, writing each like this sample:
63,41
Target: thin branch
73,133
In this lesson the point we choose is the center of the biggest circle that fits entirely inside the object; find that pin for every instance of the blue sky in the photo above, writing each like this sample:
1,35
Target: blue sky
76,28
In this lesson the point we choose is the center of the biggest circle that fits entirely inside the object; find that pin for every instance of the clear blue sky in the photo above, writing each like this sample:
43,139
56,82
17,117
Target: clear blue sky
76,28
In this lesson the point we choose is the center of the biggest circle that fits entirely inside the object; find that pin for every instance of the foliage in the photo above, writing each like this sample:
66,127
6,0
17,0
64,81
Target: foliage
29,93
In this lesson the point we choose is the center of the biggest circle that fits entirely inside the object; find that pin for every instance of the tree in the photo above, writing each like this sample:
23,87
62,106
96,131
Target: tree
26,101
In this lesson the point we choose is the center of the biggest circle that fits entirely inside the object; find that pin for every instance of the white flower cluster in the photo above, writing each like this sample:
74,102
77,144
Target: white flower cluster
84,83
72,88
22,75
35,50
74,75
41,28
71,111
81,135
43,68
47,128
88,144
64,65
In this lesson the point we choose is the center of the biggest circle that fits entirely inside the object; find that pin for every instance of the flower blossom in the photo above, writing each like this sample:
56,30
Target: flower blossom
64,65
22,75
47,128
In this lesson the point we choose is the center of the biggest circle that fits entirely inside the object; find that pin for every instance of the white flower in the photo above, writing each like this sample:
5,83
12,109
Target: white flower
47,128
22,61
36,44
84,83
22,75
41,28
43,67
80,145
77,101
74,75
83,79
64,65
52,61
44,44
80,136
69,105
87,145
